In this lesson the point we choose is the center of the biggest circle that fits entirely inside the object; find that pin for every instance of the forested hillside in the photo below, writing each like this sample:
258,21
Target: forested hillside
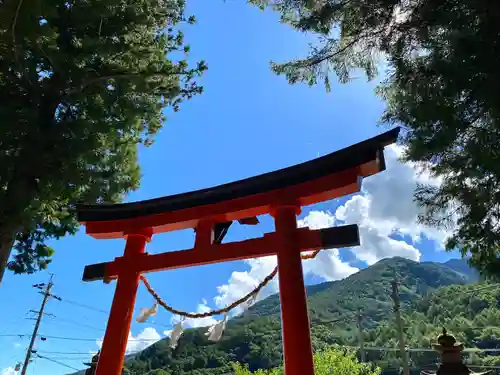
462,266
471,312
254,338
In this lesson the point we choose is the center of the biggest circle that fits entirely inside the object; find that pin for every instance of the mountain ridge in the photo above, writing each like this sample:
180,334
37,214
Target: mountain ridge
254,336
462,266
450,274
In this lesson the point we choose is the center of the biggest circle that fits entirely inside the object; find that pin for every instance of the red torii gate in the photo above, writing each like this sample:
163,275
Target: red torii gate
281,193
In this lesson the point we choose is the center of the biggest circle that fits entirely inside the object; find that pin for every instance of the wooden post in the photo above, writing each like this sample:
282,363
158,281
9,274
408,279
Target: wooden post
297,348
46,294
362,354
120,318
399,323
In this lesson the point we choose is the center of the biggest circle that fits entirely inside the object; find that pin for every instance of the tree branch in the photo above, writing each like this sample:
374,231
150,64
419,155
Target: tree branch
120,76
47,57
14,22
311,62
14,46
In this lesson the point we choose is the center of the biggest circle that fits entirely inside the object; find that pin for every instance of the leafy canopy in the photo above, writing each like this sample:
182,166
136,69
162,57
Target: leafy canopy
332,361
442,86
82,84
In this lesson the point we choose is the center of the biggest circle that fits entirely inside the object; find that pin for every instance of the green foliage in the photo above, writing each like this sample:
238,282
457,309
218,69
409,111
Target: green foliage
82,84
351,36
471,314
432,295
444,97
331,361
160,372
441,86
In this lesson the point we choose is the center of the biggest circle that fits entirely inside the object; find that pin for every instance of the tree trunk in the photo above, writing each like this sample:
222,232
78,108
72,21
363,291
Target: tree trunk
23,186
14,203
7,239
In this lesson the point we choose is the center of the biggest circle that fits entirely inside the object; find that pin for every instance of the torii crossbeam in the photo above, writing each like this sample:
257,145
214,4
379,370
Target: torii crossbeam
281,193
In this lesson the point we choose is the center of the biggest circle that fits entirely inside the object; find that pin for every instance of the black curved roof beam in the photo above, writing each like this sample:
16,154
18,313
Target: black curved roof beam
349,158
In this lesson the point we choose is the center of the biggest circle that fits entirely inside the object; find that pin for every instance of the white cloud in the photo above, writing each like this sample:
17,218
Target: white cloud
9,371
317,220
243,282
200,322
148,336
386,208
375,239
387,218
327,265
143,339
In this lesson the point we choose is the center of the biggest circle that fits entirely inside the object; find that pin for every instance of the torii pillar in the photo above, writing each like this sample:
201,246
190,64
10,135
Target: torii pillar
281,193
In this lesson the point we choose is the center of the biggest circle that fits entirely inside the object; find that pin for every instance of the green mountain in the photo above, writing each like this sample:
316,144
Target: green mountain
369,289
462,266
254,337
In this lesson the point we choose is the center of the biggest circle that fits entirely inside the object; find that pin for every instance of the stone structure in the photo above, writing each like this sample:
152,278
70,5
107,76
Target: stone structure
451,357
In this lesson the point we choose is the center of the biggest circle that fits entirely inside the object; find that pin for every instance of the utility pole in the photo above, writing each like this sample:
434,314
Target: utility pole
46,295
399,322
360,337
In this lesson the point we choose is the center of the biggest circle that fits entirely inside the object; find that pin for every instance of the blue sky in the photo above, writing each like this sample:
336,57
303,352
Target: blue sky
247,122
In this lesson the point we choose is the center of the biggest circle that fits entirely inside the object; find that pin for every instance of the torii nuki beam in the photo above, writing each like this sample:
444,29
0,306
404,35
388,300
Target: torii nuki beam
281,193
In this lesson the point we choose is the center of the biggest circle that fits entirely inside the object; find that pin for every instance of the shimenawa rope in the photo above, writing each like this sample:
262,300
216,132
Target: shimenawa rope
226,309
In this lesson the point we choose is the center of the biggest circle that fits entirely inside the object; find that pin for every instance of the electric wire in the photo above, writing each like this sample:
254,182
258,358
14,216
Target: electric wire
81,305
56,361
345,346
78,324
85,339
65,353
91,308
84,306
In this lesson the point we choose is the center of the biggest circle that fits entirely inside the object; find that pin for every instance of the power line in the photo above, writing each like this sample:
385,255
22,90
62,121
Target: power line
345,346
55,361
12,322
84,306
79,359
7,326
77,323
106,312
88,339
22,335
81,305
46,293
68,338
380,348
66,353
481,288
